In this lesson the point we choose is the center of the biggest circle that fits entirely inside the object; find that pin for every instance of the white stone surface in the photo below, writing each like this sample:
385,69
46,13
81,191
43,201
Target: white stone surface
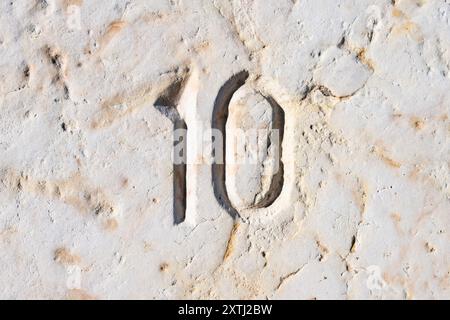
86,175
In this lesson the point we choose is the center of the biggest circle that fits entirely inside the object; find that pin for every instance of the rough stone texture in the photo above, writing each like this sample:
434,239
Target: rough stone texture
86,177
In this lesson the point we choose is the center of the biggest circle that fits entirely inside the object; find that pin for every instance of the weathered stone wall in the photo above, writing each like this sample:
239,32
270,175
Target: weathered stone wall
92,205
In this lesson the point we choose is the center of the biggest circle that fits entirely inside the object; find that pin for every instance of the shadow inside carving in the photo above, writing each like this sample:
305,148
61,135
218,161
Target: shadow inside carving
165,104
170,97
179,172
219,120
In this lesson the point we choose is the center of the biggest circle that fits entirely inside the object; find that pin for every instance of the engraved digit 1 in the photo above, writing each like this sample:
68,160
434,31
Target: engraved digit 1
178,103
167,104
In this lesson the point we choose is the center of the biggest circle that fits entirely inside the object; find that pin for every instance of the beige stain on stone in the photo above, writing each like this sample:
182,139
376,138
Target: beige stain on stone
113,29
79,294
384,156
397,13
231,242
68,3
125,103
397,219
418,174
362,57
59,61
154,17
323,250
111,225
405,26
120,106
417,123
65,257
408,27
163,267
7,233
361,195
201,47
74,191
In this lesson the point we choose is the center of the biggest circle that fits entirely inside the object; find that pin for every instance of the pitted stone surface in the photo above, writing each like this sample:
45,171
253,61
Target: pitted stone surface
86,173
